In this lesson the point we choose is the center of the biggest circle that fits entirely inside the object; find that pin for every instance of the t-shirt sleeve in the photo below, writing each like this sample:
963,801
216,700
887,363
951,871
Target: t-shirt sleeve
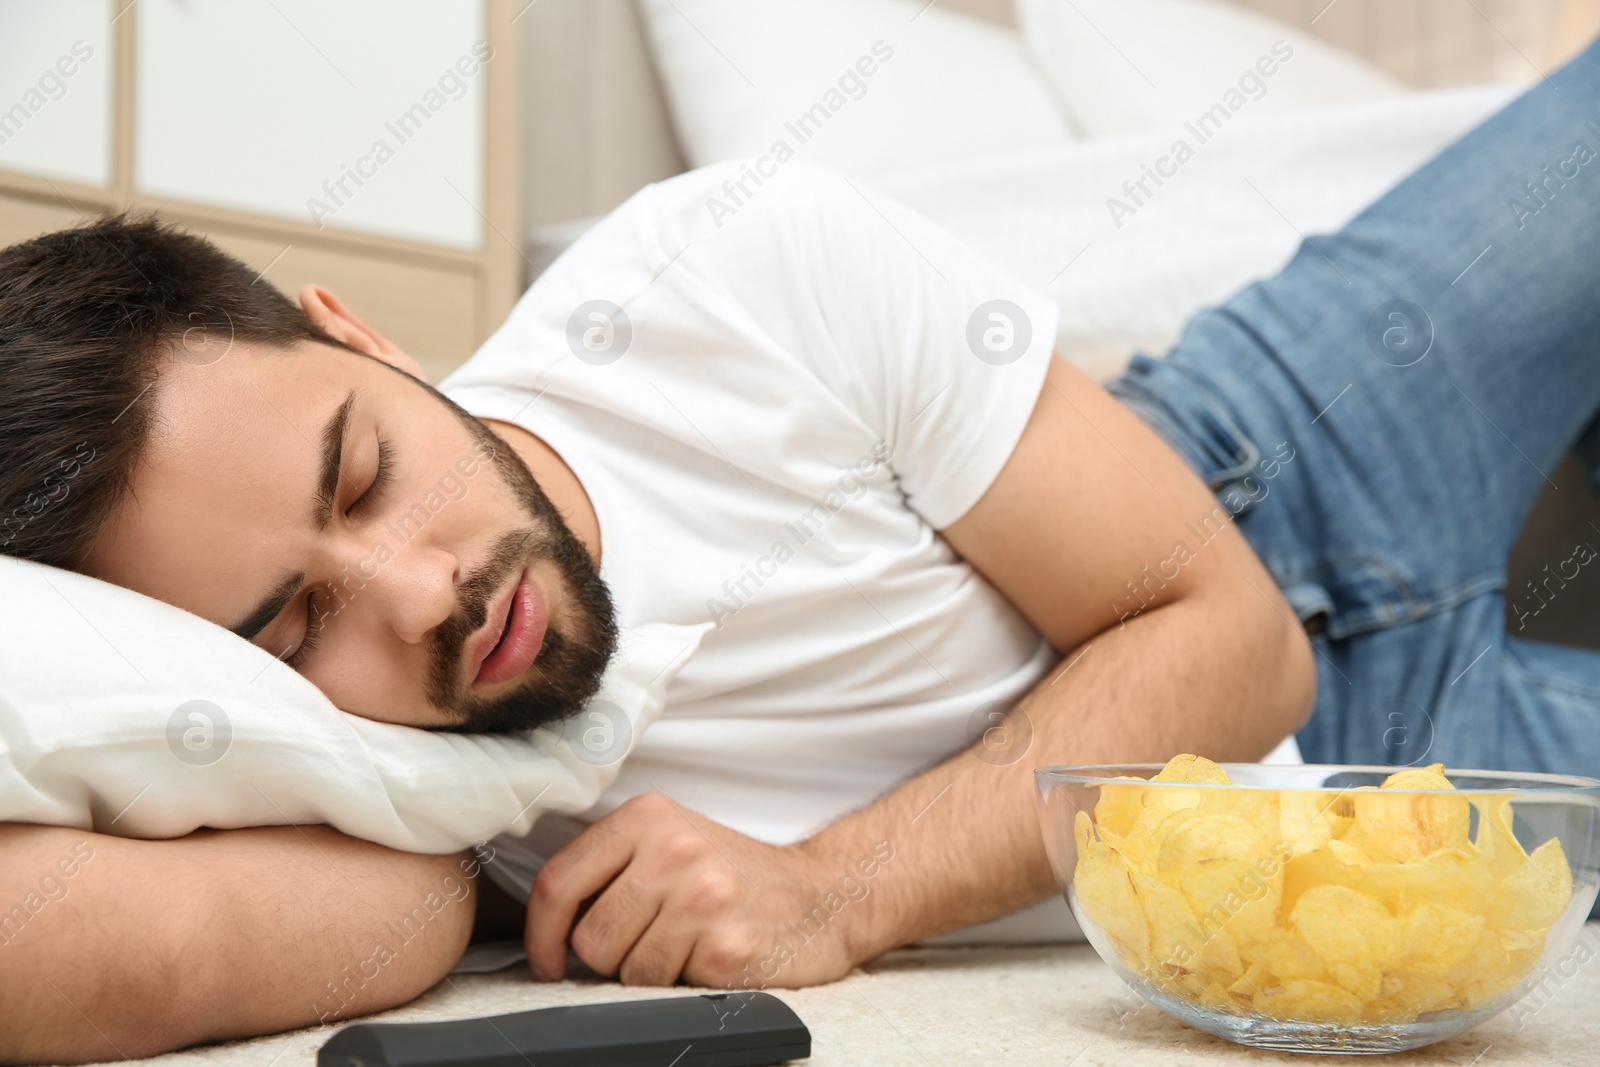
939,350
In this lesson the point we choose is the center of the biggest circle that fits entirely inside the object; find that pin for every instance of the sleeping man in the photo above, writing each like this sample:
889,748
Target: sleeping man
931,554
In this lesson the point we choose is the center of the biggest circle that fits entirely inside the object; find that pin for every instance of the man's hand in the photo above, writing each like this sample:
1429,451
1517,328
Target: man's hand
680,896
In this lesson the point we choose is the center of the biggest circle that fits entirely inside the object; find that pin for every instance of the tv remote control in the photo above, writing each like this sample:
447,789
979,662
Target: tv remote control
742,1029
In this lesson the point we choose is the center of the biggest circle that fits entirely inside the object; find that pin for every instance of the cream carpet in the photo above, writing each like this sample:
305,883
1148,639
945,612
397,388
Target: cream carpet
1027,1004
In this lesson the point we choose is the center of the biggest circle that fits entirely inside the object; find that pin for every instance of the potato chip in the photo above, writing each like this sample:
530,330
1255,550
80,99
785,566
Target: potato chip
1174,936
1353,935
1342,811
1160,802
1429,777
1197,836
1351,855
1305,1000
1287,956
1322,867
1251,983
1495,839
1405,995
1148,827
1497,962
1119,806
1187,768
1536,894
1106,895
1435,937
1219,958
1216,997
1179,944
1218,863
1307,820
1242,901
1258,807
1406,827
1456,878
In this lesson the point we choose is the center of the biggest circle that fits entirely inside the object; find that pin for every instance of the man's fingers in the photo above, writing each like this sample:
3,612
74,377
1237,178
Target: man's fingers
720,956
582,868
612,925
658,958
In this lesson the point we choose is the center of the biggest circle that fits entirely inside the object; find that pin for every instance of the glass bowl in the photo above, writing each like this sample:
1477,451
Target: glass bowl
1303,908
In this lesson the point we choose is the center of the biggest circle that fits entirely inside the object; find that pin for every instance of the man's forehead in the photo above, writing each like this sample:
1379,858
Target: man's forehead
243,379
231,456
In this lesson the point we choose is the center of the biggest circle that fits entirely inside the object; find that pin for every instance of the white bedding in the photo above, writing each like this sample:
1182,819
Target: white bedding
1233,213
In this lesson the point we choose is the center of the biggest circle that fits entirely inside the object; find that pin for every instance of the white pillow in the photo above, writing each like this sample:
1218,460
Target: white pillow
1125,66
125,715
739,75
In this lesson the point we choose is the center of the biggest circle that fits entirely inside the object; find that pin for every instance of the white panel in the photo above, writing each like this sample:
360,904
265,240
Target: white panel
55,88
297,108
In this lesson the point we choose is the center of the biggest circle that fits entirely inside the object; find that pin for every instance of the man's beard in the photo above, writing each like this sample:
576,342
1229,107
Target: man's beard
571,660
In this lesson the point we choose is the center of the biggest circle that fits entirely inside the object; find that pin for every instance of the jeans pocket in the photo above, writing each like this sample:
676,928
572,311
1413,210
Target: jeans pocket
1311,604
1183,411
1231,472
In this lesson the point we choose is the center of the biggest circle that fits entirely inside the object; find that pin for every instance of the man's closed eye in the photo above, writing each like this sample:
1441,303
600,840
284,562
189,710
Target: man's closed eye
370,498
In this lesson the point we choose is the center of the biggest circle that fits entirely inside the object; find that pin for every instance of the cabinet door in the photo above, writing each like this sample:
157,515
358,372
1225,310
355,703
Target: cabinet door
55,89
363,115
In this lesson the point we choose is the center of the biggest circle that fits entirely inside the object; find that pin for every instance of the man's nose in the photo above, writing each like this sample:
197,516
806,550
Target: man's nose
416,590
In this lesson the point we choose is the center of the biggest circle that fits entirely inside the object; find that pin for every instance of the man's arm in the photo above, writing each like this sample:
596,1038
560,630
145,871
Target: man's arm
1213,663
113,948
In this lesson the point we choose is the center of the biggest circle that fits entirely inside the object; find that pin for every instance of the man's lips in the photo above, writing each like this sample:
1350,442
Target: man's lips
510,640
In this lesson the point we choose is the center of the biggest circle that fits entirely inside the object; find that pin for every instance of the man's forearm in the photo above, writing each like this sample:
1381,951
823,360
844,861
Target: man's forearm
148,946
1223,675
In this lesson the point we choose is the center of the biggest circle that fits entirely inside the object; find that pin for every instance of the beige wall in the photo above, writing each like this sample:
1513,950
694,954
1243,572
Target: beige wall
595,126
1432,43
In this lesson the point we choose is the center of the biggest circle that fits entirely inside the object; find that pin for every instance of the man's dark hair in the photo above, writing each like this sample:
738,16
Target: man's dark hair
87,317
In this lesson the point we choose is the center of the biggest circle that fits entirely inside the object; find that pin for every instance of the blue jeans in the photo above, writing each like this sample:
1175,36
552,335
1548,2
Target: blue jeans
1425,369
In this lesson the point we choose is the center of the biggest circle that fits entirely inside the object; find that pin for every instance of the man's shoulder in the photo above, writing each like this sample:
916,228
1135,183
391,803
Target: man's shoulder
635,243
673,240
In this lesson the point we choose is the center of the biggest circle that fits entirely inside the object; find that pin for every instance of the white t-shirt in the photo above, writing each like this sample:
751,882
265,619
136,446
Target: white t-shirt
791,410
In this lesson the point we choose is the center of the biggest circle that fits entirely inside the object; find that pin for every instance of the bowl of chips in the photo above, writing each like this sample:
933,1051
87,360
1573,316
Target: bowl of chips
1317,908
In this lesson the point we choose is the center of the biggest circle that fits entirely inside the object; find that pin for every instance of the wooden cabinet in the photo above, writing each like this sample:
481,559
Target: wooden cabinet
366,145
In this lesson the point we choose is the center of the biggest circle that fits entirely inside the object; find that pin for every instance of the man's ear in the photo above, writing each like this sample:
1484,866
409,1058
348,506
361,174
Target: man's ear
329,314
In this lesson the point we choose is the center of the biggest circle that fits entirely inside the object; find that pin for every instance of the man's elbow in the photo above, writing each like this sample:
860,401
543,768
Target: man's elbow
1292,682
1269,657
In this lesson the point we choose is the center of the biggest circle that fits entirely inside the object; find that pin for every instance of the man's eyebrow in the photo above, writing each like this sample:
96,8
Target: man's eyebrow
327,490
270,607
332,461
